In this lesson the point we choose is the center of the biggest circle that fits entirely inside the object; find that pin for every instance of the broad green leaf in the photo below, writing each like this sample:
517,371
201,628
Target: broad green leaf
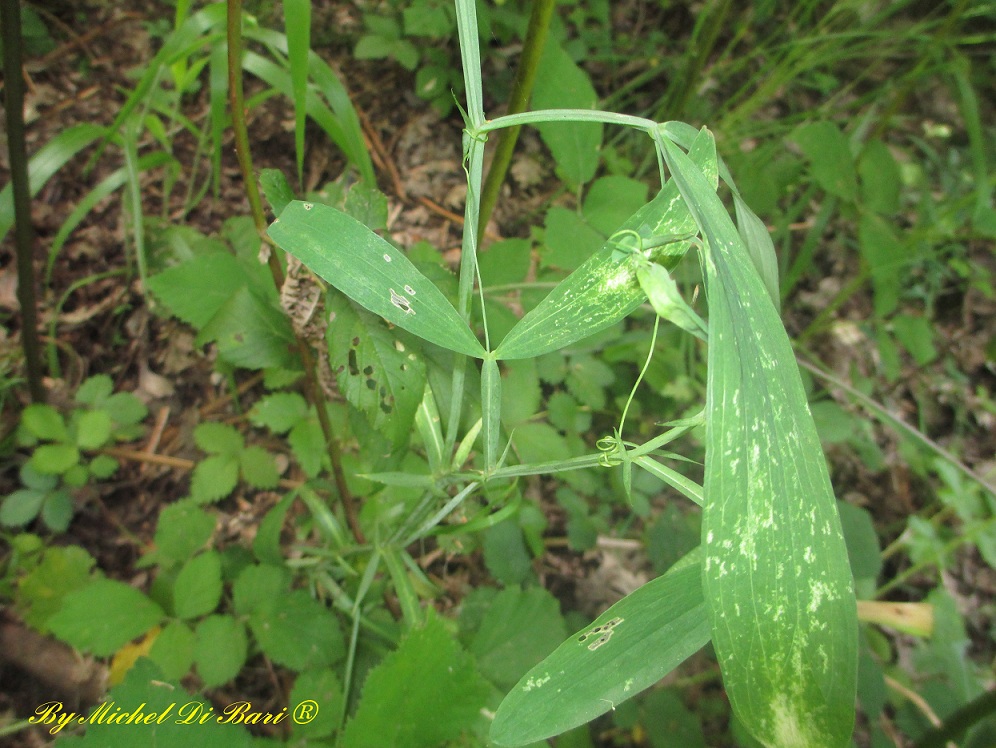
197,590
885,254
426,693
321,686
54,458
251,332
611,200
880,178
519,629
21,506
628,648
218,438
44,422
256,586
372,272
146,689
183,529
775,565
57,510
604,289
173,650
195,290
220,649
104,616
258,468
376,372
279,412
40,592
561,84
278,192
297,631
567,239
830,161
214,478
93,429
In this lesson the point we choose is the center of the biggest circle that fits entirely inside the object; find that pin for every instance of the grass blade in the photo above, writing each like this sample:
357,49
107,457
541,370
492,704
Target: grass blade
372,272
775,565
297,24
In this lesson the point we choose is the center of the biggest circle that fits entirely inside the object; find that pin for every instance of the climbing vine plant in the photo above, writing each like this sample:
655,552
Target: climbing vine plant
770,584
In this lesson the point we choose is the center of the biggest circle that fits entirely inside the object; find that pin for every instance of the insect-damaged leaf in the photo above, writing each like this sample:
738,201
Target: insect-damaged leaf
371,272
629,647
775,566
605,289
379,375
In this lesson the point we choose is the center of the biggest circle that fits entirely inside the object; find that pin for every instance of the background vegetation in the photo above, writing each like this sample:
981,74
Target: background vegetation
248,497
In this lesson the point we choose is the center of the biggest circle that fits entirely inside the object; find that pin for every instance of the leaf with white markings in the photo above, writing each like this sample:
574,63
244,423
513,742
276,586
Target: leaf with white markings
380,376
372,272
629,647
775,566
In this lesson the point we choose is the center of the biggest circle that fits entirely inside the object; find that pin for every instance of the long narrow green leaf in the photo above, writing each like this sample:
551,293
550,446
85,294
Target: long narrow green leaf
604,289
629,647
107,186
775,565
372,272
49,159
297,23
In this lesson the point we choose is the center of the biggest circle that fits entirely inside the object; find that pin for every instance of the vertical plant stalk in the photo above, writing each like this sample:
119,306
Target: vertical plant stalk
522,89
24,235
312,389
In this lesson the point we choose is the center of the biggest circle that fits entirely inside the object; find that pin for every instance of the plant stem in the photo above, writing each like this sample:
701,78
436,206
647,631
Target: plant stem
956,723
522,89
312,389
24,235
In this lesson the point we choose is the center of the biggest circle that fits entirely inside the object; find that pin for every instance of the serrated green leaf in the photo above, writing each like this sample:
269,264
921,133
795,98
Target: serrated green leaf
44,422
183,529
125,408
258,468
372,272
774,560
103,617
297,631
505,262
322,686
266,545
195,290
197,589
94,390
93,429
214,478
256,586
377,373
276,189
307,441
173,650
220,649
629,647
251,332
218,438
279,411
400,703
881,180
